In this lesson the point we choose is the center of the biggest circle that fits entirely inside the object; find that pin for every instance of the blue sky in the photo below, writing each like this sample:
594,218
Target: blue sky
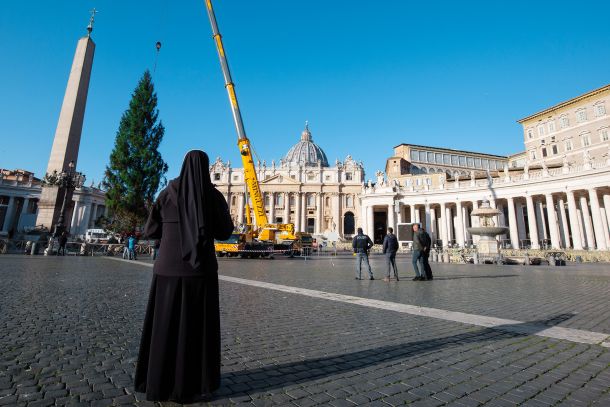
367,75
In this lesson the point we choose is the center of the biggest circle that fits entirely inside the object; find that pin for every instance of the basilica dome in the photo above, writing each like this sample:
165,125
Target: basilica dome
305,152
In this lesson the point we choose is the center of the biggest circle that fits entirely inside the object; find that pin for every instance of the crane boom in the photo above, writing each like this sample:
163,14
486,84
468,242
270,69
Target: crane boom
243,142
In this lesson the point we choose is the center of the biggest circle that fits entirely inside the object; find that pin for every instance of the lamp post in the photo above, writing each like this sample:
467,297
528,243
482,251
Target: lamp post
68,180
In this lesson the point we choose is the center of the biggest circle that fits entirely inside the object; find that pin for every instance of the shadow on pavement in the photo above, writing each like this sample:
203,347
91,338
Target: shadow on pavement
287,374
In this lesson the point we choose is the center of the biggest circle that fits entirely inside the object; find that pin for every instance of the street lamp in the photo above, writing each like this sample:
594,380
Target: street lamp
68,180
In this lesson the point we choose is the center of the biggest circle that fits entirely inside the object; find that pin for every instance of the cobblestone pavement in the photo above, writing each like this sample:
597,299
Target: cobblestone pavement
69,332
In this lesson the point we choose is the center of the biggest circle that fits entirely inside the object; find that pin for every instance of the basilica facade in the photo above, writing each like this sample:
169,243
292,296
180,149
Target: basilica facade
302,188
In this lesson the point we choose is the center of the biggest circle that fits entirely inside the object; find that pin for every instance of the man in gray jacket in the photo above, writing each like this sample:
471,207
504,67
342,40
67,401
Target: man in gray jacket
390,247
419,247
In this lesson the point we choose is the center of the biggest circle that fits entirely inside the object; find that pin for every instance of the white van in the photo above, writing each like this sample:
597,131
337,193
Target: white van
96,235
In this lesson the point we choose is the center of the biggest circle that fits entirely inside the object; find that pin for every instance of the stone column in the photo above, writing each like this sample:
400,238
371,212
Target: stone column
584,207
540,220
602,214
370,224
417,214
303,211
606,212
297,212
521,222
433,225
428,218
271,216
512,223
337,213
240,208
466,223
8,218
319,212
24,209
563,225
92,216
459,227
474,221
391,220
74,220
286,207
552,215
577,243
84,225
412,214
399,214
449,220
598,226
443,222
531,221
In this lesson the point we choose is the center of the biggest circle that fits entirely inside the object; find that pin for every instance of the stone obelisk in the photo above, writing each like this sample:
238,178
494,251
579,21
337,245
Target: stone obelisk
69,128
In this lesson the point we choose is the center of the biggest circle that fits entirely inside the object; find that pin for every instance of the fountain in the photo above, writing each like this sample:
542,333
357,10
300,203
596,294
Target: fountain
488,245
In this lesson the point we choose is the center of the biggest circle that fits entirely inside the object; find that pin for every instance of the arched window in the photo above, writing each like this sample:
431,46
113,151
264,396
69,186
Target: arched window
348,223
233,200
311,200
291,199
279,199
267,199
349,201
327,201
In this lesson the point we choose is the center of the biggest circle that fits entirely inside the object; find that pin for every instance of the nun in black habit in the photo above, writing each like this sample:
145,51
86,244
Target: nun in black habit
179,356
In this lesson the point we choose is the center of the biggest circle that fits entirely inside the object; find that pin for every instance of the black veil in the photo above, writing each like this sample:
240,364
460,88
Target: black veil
194,196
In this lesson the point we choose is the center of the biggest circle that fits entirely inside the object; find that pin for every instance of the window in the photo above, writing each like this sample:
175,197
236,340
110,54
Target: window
414,155
327,177
554,149
603,134
311,200
485,163
600,109
530,134
279,199
568,145
586,140
349,201
428,181
470,161
430,157
216,176
564,122
551,126
236,177
348,176
438,158
533,154
543,151
540,130
446,159
267,199
581,115
293,176
462,161
233,200
311,176
291,200
327,201
418,182
454,159
423,156
477,162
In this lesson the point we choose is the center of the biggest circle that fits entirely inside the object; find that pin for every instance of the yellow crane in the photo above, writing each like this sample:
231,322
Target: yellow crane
272,233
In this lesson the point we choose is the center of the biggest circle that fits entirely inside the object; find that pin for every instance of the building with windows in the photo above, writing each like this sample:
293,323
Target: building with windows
303,188
555,194
20,193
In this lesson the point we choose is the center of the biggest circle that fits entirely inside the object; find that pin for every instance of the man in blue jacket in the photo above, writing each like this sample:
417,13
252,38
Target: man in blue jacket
390,247
361,245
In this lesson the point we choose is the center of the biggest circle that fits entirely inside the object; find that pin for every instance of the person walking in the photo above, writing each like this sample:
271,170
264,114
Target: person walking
418,252
426,257
361,245
63,239
179,356
131,245
390,247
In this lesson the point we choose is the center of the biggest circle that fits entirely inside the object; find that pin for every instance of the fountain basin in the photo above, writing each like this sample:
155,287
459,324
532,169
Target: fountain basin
488,230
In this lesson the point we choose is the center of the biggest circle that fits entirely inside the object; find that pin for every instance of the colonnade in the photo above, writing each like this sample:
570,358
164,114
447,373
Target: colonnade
572,219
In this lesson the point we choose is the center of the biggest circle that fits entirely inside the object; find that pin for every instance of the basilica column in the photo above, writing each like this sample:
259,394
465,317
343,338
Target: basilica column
606,212
319,213
584,207
240,208
370,225
433,225
74,220
336,200
85,221
428,218
574,224
304,212
297,212
565,232
8,217
449,221
552,215
600,236
512,223
443,222
271,207
474,220
399,214
286,207
531,221
521,221
540,220
459,227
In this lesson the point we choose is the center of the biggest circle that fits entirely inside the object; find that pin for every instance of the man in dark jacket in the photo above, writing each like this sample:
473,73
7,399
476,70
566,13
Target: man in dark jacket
419,247
425,258
390,247
361,245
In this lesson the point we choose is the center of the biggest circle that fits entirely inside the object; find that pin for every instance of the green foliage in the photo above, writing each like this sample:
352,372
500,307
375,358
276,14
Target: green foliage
136,170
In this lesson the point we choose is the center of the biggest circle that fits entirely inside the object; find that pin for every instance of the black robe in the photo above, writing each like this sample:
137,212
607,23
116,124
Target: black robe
179,356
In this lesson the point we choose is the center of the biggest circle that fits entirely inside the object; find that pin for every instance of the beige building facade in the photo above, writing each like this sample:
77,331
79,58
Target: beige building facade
302,189
558,200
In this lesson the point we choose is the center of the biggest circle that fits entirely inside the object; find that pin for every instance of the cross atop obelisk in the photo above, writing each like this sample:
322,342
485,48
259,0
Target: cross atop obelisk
69,127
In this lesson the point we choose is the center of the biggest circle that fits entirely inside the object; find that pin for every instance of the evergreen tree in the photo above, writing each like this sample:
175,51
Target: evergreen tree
136,170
